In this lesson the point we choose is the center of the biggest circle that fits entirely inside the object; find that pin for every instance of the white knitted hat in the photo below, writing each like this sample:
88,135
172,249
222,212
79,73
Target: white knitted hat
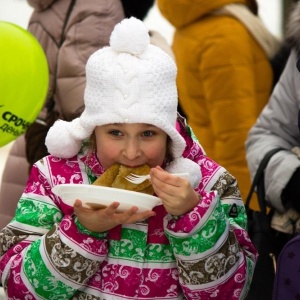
131,81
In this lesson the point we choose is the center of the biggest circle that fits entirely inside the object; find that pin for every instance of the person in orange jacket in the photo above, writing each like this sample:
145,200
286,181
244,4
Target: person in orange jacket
223,54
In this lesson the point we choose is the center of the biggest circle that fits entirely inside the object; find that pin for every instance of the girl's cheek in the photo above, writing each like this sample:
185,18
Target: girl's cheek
156,155
107,155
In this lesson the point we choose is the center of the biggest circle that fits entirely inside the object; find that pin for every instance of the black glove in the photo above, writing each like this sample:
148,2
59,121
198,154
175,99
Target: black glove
291,194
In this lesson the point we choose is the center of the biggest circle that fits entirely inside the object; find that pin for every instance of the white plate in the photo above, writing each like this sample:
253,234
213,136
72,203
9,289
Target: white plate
100,196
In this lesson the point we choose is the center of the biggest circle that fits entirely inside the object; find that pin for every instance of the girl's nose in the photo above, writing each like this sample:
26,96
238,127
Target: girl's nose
132,149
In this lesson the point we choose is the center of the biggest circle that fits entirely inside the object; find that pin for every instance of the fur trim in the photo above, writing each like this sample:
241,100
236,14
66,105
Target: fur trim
292,35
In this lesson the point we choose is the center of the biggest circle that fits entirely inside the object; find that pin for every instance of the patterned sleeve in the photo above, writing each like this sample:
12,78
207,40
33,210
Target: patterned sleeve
42,252
214,253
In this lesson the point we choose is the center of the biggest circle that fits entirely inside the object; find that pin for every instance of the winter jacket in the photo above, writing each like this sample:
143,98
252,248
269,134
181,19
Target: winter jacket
203,254
88,28
277,126
224,79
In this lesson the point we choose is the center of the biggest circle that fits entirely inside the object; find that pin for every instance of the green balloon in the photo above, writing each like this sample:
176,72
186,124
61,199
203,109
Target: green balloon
24,79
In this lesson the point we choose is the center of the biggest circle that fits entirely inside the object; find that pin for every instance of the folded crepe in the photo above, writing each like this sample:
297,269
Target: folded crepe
115,177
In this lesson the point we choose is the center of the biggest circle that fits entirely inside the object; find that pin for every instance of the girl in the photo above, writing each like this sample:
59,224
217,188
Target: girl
193,246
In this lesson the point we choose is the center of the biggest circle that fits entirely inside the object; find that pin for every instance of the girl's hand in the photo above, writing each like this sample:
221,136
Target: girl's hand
176,193
104,219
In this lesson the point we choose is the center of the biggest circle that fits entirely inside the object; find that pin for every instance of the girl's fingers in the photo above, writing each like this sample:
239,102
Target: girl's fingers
131,215
78,203
124,217
109,217
142,216
170,180
159,168
112,208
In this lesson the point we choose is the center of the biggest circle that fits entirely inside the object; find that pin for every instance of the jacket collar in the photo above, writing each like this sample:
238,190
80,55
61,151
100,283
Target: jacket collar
91,160
293,27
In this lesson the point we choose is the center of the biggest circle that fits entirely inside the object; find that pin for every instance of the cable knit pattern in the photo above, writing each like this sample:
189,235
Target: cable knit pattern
204,254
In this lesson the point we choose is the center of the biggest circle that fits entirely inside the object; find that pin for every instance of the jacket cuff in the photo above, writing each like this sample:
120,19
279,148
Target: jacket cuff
82,229
192,221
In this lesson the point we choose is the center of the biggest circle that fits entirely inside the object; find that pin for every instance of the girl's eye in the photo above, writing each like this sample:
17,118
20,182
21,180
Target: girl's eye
148,133
115,132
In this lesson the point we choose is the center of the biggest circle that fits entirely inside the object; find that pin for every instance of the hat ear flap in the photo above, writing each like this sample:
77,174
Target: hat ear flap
185,165
64,138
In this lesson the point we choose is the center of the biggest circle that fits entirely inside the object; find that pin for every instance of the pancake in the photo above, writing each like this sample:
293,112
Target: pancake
115,177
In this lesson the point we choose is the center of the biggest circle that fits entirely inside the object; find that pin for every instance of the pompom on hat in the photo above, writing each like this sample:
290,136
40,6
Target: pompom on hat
131,81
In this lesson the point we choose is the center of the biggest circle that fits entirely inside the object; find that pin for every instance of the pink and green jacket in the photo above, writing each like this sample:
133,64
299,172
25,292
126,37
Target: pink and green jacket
206,254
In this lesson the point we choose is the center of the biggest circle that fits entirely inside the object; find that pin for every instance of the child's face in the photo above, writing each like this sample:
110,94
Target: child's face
131,145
